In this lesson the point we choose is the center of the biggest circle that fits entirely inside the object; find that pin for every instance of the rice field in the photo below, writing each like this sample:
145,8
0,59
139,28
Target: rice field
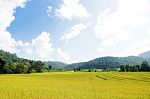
76,85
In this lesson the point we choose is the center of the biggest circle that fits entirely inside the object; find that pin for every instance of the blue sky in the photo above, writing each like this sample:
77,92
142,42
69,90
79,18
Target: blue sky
74,30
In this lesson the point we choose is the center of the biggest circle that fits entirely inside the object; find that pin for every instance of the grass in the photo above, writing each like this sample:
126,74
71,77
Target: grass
81,85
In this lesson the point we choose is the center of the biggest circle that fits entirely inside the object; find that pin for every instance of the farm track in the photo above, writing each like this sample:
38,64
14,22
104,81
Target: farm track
122,78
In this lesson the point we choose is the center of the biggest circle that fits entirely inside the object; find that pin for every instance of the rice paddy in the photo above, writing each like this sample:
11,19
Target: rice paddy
76,85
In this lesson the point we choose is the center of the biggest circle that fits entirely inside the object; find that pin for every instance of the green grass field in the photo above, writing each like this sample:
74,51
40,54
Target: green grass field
81,85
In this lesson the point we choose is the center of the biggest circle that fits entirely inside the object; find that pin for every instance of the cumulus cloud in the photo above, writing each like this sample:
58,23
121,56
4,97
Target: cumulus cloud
127,25
49,10
7,9
39,48
7,43
63,56
74,31
70,9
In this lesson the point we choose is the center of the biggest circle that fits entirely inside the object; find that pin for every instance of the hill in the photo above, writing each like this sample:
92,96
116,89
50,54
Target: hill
55,64
11,64
108,62
145,54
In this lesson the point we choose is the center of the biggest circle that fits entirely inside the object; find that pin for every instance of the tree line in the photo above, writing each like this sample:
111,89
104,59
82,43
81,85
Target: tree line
11,64
135,68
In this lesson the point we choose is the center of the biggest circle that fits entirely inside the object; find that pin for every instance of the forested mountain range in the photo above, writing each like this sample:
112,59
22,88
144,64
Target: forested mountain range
108,62
10,63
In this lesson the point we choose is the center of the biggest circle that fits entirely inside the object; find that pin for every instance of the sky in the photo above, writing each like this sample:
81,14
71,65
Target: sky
74,30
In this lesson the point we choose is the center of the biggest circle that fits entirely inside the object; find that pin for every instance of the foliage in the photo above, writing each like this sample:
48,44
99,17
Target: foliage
145,66
107,63
10,64
76,69
135,68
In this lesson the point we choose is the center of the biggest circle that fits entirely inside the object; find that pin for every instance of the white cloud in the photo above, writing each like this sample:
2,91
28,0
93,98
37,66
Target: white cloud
74,31
63,56
70,9
49,10
148,32
7,9
7,43
40,48
127,25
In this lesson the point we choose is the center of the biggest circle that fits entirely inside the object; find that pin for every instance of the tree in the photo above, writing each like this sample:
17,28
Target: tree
27,65
133,68
127,67
39,66
21,69
2,64
89,70
49,67
145,66
10,63
122,68
138,67
76,69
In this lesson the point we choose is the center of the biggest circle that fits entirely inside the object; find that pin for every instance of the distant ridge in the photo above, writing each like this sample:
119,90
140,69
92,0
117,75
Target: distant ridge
108,62
55,64
145,54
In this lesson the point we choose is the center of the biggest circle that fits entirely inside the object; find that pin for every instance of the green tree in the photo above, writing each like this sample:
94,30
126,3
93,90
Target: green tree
39,66
49,67
122,68
145,66
21,69
2,64
127,67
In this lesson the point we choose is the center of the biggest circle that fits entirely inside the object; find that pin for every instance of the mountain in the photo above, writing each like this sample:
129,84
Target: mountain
108,62
10,63
145,55
55,64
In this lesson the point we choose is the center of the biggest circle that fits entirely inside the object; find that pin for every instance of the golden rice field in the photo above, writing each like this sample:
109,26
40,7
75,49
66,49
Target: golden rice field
81,85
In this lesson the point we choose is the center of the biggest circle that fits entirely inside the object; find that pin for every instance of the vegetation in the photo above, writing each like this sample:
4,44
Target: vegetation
76,85
55,64
11,64
135,68
107,63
